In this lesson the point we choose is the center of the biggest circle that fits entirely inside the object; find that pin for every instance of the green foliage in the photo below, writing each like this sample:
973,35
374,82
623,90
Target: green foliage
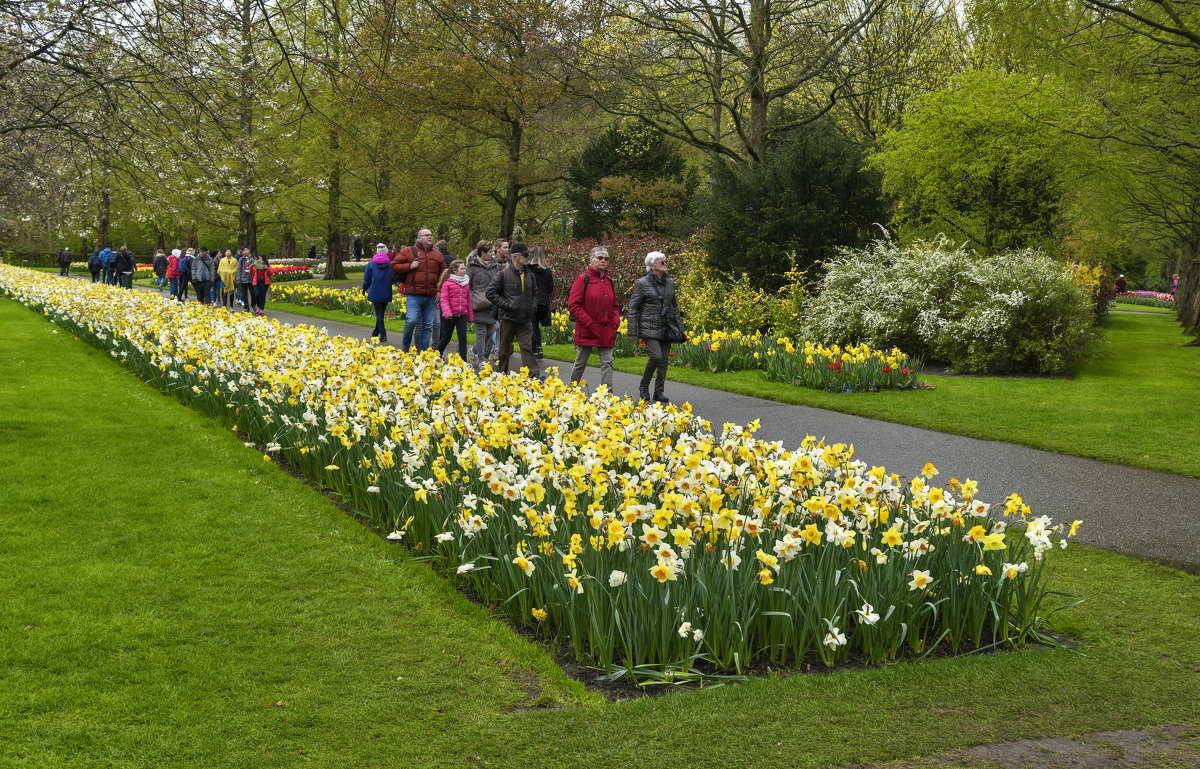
983,161
710,301
1017,311
810,194
629,179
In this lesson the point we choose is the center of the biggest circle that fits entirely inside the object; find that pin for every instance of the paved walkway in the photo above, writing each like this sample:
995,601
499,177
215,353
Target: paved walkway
1144,513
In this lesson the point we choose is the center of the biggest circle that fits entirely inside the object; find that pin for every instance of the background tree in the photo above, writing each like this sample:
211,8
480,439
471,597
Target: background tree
810,195
629,167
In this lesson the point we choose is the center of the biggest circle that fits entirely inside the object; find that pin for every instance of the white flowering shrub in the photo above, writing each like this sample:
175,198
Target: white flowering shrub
1017,311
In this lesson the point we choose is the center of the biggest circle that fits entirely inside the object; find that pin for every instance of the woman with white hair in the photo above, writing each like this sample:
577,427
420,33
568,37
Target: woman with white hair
593,304
654,318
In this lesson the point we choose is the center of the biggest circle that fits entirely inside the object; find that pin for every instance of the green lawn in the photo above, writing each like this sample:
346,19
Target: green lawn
1126,307
1129,406
169,599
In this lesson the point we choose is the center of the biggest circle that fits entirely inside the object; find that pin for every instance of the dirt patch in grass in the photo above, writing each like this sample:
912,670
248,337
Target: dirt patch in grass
1173,746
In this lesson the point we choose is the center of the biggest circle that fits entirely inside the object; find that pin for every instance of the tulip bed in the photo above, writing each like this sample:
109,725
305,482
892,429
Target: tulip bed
654,547
1147,299
351,301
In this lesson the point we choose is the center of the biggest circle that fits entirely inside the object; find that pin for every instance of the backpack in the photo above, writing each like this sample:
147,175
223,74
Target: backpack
587,278
184,267
94,263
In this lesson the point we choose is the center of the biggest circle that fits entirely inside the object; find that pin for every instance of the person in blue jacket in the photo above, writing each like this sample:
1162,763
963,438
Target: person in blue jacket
377,284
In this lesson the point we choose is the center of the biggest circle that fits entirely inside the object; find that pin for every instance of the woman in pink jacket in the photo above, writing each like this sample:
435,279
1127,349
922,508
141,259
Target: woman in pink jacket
455,295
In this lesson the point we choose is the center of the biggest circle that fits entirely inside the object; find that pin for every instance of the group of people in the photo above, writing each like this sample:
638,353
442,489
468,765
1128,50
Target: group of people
219,278
114,268
505,290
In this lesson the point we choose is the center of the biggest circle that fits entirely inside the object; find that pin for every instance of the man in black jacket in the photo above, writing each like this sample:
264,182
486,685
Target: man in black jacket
123,274
511,292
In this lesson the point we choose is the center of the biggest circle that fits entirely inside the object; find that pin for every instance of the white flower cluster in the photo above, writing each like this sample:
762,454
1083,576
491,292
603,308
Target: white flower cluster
1019,310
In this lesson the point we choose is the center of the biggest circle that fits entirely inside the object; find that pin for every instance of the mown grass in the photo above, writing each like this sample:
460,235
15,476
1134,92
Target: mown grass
1131,405
164,588
1126,307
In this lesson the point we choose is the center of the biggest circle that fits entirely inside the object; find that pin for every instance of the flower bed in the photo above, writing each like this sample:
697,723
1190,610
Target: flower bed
290,272
348,300
1147,299
651,545
834,369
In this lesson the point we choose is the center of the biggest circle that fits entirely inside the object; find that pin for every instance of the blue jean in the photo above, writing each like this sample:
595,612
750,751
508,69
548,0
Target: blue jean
174,284
418,313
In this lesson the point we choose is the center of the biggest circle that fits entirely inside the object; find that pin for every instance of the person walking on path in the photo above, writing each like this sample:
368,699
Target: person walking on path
173,273
654,318
418,267
543,278
185,273
160,268
377,284
358,248
243,279
204,272
125,266
481,268
260,282
106,265
455,295
227,272
512,292
593,304
64,261
95,265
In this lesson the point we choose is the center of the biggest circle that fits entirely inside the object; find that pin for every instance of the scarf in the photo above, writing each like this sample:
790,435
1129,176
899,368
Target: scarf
461,280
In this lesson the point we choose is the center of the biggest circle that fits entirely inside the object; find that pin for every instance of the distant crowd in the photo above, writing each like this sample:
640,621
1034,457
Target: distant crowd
502,288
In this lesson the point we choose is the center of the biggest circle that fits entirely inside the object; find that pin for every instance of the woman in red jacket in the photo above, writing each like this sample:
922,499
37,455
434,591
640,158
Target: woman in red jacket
260,280
593,304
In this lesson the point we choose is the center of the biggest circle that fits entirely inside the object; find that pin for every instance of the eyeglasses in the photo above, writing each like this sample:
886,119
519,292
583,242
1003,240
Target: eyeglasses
605,258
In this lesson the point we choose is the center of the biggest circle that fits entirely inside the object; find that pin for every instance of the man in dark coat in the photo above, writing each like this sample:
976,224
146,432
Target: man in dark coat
513,293
64,261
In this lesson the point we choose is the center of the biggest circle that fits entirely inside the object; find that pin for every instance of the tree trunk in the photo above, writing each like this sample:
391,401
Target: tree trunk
287,244
102,235
512,187
757,80
333,244
247,202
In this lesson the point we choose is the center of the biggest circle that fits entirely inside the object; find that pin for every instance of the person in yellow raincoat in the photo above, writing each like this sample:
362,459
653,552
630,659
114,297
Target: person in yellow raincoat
227,270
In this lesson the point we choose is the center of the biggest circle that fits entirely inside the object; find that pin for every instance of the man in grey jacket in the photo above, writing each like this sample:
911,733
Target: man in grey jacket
204,272
511,292
243,278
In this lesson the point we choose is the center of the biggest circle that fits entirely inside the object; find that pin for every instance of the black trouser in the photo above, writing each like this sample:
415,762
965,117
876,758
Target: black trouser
660,353
183,286
96,277
448,326
380,330
202,290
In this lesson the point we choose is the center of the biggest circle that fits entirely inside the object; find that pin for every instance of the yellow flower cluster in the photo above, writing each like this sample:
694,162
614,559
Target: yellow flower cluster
601,516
